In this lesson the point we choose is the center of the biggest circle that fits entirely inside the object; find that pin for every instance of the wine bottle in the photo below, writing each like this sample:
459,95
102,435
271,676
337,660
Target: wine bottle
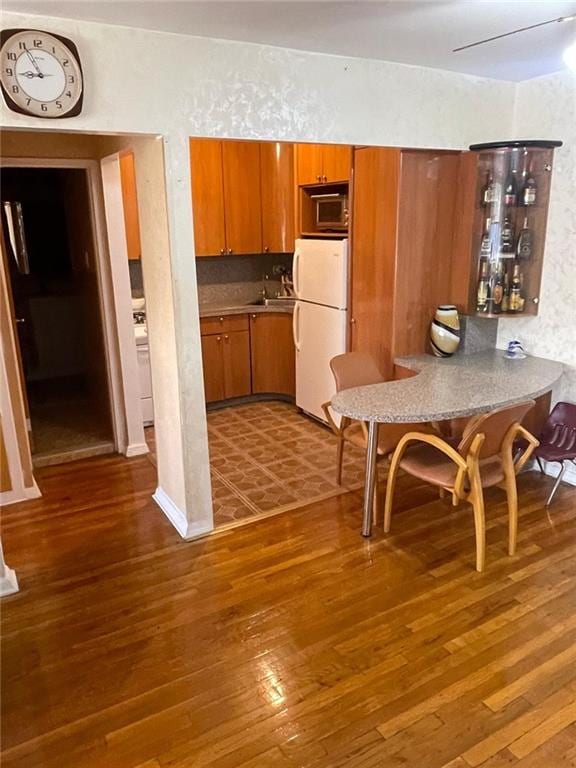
525,241
507,236
515,303
486,244
497,292
505,293
529,190
511,189
482,291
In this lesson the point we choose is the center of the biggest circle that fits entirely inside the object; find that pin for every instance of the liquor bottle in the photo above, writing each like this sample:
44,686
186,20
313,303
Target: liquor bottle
506,293
511,189
486,244
507,236
516,303
488,191
483,289
529,190
497,291
525,241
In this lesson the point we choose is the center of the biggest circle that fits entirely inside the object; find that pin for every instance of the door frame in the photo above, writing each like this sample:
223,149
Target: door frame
104,281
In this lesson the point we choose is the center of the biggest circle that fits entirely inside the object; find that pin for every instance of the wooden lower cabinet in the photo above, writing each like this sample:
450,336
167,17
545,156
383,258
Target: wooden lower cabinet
242,358
226,361
273,355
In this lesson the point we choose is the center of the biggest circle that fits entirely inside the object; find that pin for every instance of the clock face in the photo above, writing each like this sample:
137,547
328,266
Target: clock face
40,74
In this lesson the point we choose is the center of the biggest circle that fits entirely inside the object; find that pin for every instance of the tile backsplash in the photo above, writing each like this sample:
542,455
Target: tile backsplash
231,279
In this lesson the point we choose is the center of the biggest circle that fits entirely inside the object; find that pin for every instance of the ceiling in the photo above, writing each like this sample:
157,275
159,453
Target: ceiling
422,32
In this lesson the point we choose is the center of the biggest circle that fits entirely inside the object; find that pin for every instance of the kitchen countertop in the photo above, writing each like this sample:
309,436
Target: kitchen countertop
447,388
214,310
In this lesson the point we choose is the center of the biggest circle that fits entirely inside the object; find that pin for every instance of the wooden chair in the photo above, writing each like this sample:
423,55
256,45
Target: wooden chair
483,458
356,369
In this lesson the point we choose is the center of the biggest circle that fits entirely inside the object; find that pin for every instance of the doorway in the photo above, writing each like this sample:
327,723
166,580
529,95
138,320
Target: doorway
52,268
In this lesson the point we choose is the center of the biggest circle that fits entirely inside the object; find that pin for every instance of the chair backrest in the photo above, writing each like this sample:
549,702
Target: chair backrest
494,425
560,428
354,369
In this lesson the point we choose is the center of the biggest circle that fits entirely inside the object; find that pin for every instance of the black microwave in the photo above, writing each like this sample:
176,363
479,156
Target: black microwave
331,211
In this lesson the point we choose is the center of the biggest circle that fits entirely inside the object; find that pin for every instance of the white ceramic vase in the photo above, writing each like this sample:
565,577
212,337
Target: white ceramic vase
445,331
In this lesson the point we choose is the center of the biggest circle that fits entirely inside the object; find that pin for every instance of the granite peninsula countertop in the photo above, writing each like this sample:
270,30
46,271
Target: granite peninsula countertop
446,388
215,310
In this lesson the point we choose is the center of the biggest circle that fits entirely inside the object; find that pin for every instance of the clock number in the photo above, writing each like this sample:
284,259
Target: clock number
53,50
9,71
69,94
28,102
59,104
71,79
65,62
11,57
15,89
37,43
43,107
22,46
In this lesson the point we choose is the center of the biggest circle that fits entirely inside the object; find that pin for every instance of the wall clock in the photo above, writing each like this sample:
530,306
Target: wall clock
41,73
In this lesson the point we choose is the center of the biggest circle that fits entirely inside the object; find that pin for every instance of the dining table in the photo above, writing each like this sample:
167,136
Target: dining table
442,389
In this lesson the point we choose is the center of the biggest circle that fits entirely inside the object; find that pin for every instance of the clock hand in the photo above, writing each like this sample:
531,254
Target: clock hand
34,63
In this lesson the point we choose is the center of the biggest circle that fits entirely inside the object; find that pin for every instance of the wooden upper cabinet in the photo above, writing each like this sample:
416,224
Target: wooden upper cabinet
207,196
336,162
242,197
323,163
273,354
277,174
309,163
130,204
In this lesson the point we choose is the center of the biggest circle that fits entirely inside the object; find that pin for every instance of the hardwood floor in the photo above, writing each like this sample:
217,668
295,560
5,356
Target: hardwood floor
288,643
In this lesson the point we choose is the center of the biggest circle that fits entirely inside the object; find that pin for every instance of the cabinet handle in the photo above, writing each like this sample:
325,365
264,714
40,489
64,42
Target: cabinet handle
221,319
318,178
230,250
352,321
266,249
253,317
218,338
535,300
222,251
324,179
226,338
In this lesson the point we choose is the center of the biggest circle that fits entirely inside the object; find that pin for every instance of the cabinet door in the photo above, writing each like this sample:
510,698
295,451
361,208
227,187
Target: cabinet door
237,379
273,354
213,364
277,169
130,205
374,224
207,196
309,163
242,199
336,162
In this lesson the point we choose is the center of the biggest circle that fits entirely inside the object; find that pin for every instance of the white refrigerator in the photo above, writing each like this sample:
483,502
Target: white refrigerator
320,323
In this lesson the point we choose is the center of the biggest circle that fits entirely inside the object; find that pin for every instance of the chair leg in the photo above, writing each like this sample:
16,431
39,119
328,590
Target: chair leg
557,483
390,484
512,498
339,460
477,501
539,460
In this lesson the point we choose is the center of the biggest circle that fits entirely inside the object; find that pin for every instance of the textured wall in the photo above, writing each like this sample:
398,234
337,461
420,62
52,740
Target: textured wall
546,108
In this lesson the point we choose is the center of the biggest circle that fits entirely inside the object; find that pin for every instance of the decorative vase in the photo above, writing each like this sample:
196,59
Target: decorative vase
445,331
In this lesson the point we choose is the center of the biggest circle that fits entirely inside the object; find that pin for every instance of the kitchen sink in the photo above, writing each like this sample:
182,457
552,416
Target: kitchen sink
278,302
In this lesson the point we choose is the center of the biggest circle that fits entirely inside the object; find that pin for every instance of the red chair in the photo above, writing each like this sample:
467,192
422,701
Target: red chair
558,441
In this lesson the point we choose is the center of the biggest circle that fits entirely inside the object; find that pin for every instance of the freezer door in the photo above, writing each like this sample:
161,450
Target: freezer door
319,335
320,272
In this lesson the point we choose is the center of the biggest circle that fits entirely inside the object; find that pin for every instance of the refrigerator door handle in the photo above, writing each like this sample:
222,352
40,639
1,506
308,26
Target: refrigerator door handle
296,326
295,272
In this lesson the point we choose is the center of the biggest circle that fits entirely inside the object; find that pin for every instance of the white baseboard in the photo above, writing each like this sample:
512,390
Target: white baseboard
552,469
186,528
8,583
136,449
